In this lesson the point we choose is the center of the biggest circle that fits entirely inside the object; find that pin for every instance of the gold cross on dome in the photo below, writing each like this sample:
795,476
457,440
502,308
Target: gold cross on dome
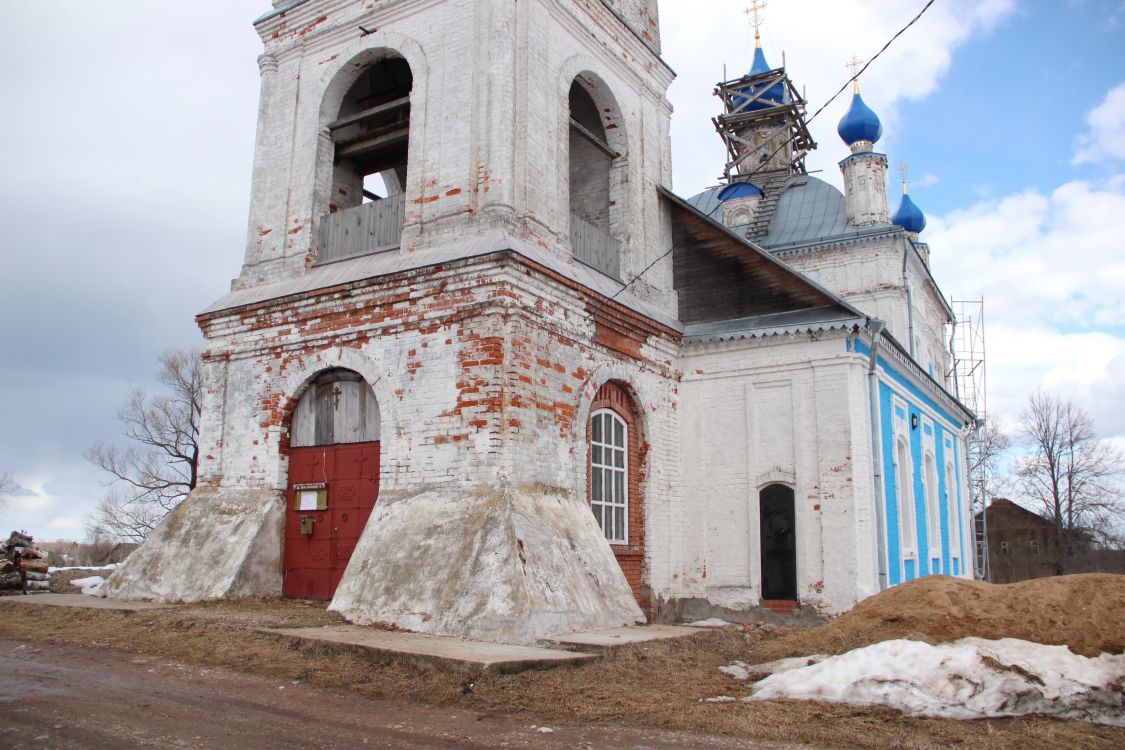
903,169
755,13
854,65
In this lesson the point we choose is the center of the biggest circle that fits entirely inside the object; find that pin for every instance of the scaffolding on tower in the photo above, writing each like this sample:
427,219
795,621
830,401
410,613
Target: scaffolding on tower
971,385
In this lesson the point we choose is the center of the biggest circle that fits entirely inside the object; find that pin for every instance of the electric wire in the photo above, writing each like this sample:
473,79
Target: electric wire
824,106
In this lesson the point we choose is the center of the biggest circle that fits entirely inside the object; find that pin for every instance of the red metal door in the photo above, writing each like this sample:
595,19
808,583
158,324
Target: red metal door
314,562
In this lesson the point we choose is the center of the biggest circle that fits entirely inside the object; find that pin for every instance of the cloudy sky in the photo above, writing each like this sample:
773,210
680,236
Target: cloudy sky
128,131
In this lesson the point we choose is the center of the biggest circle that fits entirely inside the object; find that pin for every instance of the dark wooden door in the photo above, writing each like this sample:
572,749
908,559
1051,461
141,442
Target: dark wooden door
779,543
314,562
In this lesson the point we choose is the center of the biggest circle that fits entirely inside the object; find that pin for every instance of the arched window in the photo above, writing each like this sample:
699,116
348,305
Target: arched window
951,510
904,484
596,168
933,512
615,471
609,474
370,141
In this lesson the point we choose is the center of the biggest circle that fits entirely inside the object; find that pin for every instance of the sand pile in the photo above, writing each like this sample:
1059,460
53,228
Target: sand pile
1084,612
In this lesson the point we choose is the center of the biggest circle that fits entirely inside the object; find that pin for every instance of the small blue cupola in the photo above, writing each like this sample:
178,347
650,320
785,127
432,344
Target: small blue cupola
859,123
907,215
739,190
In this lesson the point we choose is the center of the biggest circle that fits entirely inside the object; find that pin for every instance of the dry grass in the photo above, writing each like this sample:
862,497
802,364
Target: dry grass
654,685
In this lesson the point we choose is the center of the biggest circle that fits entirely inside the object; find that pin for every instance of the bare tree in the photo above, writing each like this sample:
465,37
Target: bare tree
7,487
152,476
1069,474
986,452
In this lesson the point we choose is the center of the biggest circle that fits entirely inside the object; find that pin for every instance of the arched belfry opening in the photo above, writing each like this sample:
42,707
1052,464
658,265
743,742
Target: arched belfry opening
333,480
370,144
596,175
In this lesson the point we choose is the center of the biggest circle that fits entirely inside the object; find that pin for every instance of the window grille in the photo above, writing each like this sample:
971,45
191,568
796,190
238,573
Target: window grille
609,475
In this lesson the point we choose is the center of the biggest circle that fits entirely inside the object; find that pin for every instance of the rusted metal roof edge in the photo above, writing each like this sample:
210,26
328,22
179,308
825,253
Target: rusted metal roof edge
279,10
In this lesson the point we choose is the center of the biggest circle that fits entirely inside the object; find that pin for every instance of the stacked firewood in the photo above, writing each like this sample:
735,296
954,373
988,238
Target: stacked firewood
23,566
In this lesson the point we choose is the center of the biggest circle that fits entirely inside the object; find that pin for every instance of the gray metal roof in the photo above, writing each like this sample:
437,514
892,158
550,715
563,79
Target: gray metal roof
809,210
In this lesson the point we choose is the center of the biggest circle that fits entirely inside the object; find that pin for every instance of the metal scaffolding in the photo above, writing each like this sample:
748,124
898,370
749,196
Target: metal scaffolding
971,385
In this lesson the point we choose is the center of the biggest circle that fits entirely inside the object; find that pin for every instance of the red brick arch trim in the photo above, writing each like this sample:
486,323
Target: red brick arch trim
631,557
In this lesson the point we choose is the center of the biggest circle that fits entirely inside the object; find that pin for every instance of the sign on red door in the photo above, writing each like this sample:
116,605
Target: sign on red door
332,489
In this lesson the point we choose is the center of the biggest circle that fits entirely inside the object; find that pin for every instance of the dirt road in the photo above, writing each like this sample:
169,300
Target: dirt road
56,696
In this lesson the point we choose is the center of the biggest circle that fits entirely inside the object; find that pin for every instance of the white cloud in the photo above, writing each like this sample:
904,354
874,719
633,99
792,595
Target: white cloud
816,53
1050,269
927,180
1106,136
65,522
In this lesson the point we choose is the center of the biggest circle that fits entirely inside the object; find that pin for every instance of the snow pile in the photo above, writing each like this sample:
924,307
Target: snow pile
711,622
968,679
737,670
59,568
91,586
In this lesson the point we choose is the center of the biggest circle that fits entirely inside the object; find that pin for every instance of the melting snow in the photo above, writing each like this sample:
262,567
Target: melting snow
90,586
967,679
712,622
737,670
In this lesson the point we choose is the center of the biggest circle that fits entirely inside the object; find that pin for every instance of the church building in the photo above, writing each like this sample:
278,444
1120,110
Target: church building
484,374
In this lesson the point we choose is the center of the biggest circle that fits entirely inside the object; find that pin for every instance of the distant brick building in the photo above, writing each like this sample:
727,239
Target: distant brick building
1021,544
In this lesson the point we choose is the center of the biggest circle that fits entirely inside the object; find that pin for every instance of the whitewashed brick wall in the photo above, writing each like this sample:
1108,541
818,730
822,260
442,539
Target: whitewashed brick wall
791,411
489,121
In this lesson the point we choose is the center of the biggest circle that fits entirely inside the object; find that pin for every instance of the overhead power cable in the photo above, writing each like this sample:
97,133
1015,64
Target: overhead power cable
822,107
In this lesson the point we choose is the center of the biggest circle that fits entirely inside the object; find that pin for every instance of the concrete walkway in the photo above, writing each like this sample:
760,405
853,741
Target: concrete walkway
609,638
83,601
430,650
440,651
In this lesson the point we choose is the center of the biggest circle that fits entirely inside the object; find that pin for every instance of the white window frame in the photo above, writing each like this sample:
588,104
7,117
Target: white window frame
930,488
609,475
952,505
904,482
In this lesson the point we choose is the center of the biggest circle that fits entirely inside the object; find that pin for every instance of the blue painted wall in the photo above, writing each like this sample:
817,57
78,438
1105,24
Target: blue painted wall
947,444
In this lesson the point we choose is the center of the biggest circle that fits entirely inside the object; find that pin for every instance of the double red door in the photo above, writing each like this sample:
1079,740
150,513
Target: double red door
319,543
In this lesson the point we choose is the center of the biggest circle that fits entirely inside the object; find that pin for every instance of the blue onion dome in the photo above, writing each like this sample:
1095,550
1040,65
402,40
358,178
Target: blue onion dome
770,96
760,65
739,190
908,216
859,123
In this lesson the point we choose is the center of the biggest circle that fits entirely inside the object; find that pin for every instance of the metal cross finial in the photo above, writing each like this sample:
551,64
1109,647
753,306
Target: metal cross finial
755,13
854,65
903,169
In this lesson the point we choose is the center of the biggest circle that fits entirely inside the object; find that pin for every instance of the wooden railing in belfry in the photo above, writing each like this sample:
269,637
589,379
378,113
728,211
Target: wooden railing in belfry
595,247
368,228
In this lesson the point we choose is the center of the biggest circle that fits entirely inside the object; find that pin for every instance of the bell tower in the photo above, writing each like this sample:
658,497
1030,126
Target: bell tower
457,258
402,126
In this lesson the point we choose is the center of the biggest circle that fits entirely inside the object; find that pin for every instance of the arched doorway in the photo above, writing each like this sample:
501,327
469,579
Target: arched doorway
779,542
333,481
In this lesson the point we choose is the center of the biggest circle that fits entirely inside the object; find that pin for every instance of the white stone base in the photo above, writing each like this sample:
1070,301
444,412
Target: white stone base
217,544
509,565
